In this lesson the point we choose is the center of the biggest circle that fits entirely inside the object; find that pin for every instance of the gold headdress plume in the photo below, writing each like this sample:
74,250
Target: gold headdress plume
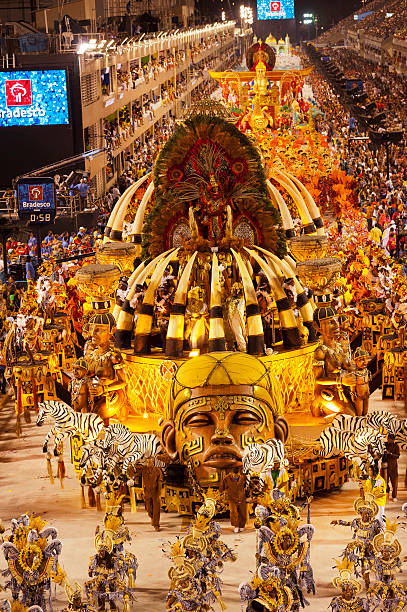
213,494
345,569
387,540
113,504
208,508
201,523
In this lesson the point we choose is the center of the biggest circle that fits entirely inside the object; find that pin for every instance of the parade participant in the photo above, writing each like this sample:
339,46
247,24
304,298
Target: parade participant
121,292
278,477
196,319
31,553
164,302
365,527
29,270
185,592
235,318
348,600
331,364
234,485
217,551
375,485
268,595
280,546
257,491
391,457
112,569
152,481
76,602
361,390
81,399
387,594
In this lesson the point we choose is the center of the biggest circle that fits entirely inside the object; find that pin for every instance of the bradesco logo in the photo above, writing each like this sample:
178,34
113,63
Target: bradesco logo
18,93
35,192
275,7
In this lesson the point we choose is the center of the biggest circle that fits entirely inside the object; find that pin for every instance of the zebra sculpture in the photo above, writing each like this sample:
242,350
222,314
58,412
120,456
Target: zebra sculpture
130,447
260,457
361,446
378,420
67,423
111,456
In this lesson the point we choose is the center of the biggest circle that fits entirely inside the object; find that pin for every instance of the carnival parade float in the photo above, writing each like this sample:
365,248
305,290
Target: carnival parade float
204,334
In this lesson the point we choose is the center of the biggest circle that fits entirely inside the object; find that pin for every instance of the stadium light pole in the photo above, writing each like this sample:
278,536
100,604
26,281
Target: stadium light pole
308,19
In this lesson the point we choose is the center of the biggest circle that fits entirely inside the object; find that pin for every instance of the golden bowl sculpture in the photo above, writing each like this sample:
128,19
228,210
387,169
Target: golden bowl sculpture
308,247
319,274
120,254
100,283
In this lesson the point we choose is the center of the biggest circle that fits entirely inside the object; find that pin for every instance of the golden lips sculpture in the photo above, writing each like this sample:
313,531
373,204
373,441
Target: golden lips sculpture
120,254
99,282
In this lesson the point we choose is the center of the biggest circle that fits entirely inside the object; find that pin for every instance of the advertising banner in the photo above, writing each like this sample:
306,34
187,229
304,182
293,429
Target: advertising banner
36,200
275,9
33,97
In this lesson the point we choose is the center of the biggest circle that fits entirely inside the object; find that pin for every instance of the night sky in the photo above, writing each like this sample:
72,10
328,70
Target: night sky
327,10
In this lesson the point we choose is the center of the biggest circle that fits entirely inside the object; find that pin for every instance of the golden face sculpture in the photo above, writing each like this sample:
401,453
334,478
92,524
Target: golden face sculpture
330,329
210,424
100,334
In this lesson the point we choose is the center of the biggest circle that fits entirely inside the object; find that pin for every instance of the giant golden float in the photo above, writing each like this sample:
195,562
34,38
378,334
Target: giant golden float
214,342
214,244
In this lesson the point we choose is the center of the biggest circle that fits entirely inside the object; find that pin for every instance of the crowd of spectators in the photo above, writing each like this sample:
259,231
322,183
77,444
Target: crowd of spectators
349,21
379,19
382,197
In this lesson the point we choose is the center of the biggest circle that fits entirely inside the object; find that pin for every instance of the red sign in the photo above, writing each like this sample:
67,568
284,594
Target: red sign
275,7
35,192
18,93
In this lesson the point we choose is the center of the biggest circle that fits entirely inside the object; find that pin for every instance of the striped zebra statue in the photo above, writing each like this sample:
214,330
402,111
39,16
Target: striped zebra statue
67,423
360,446
260,457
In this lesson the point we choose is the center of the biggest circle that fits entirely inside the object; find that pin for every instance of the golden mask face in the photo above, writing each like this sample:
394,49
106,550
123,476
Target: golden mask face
212,432
100,334
330,329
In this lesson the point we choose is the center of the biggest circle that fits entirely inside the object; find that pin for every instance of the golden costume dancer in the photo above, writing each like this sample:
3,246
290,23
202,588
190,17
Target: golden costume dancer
387,594
331,365
197,326
348,600
106,368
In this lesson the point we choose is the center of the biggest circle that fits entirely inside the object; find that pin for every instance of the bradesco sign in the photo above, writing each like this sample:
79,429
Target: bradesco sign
36,199
33,97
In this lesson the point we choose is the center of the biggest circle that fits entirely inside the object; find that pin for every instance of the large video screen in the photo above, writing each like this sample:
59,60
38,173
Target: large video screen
33,97
278,9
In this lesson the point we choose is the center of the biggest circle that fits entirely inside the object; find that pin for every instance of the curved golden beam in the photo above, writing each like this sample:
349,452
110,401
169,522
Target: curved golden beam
121,205
145,318
176,326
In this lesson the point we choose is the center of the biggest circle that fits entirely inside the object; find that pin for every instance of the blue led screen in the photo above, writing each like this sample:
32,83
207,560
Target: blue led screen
280,9
33,97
